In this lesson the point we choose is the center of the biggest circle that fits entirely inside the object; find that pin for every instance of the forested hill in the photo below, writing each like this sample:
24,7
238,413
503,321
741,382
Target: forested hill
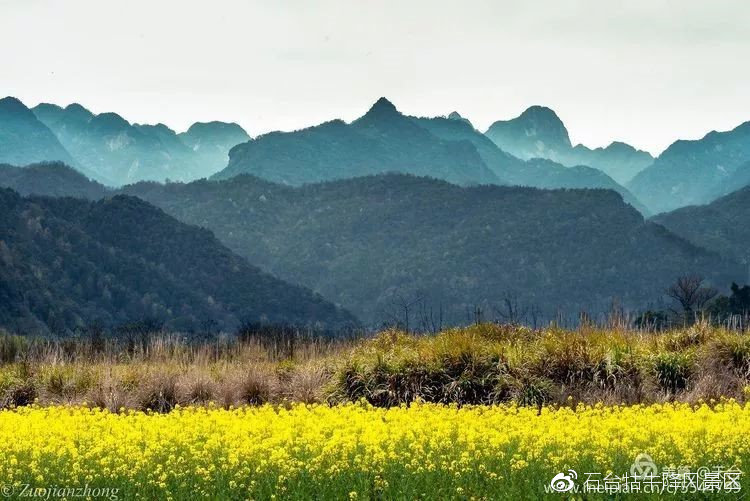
66,263
372,243
723,225
53,179
696,172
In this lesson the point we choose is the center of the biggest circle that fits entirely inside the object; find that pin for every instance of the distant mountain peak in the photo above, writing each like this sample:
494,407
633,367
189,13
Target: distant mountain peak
110,122
216,127
457,116
544,122
537,132
11,104
540,112
47,106
620,146
78,110
382,107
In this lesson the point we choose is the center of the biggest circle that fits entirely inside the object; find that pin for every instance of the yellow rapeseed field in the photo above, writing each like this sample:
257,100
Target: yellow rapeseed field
354,450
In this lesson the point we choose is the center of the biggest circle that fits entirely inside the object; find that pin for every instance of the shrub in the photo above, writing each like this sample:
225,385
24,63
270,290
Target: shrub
673,370
157,392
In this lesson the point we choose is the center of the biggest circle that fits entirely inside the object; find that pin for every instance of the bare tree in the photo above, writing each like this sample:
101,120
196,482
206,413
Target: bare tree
510,310
535,314
401,308
690,293
430,320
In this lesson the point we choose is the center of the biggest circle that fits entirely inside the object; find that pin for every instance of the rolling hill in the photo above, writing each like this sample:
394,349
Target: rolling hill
67,263
367,243
54,179
723,225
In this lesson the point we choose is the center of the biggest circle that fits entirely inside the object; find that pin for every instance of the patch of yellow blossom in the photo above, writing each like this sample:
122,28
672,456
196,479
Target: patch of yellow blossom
356,451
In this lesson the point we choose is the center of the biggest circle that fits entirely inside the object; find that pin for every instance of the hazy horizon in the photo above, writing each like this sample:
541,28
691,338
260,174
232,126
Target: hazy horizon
646,73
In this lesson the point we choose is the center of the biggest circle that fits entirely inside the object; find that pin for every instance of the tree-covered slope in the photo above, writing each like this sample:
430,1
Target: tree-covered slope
53,179
723,225
370,243
66,263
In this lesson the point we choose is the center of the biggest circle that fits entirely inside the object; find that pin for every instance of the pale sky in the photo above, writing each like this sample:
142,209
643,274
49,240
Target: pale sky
645,72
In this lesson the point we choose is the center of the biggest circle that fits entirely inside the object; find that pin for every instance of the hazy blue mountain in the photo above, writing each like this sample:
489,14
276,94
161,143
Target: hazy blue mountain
382,140
68,263
211,142
619,160
24,139
53,179
117,152
539,133
366,243
696,172
723,225
535,172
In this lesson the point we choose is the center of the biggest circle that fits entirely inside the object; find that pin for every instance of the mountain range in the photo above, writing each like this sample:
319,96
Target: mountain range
384,140
118,152
535,172
696,172
533,149
366,242
68,263
539,133
109,149
375,214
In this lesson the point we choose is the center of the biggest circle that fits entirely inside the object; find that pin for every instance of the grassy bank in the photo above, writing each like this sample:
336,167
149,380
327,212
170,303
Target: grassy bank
481,364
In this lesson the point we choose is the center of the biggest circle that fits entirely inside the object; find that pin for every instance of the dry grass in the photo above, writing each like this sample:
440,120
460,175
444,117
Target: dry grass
485,364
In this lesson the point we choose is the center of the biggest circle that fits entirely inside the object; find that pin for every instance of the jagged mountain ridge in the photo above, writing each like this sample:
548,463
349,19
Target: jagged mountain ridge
382,140
696,172
537,173
539,133
119,152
